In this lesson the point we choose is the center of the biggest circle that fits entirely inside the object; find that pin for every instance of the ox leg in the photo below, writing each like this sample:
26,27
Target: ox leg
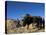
27,27
43,23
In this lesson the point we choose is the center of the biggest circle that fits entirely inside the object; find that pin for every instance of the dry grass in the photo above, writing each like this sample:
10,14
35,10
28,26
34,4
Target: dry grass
21,29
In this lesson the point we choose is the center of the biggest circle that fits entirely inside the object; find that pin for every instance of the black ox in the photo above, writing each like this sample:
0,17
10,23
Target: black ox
31,20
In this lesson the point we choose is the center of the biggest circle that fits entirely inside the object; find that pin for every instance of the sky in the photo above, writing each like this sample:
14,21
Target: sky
19,9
